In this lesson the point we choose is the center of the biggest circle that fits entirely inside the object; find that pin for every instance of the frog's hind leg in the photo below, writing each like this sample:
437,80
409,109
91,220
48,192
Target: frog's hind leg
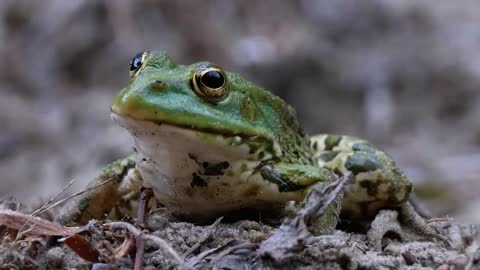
377,184
104,192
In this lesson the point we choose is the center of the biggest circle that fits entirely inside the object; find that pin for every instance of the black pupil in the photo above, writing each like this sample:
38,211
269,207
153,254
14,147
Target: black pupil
213,79
136,62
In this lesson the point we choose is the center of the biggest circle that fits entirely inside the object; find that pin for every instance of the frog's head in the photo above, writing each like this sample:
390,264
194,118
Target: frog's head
201,97
201,132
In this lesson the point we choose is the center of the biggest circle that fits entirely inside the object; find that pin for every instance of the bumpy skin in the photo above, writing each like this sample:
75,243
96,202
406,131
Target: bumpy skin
244,148
378,182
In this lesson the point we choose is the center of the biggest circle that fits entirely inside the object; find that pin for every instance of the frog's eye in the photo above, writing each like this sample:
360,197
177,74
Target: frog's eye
136,63
209,82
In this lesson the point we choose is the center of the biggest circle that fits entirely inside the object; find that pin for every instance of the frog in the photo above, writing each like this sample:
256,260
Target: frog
209,142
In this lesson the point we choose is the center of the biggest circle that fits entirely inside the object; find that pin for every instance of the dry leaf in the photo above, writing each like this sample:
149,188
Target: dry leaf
288,239
82,247
35,225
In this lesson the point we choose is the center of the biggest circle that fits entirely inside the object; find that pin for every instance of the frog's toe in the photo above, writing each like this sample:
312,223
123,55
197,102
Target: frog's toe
412,221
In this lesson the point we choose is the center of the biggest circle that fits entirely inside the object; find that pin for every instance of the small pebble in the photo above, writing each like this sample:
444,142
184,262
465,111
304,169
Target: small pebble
101,266
460,260
54,257
409,258
443,267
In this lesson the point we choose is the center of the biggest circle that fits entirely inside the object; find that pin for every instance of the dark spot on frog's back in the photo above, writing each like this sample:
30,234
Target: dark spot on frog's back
361,162
370,186
328,155
364,147
331,141
315,146
197,181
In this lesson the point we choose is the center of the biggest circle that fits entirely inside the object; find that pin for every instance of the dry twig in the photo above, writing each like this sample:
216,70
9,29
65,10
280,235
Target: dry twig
44,207
229,251
205,238
77,194
137,233
145,195
288,239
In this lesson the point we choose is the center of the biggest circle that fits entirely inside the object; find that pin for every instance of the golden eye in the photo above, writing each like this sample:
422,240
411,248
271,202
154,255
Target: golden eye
136,63
210,82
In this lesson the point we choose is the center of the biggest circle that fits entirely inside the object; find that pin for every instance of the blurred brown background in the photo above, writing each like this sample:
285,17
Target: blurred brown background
404,74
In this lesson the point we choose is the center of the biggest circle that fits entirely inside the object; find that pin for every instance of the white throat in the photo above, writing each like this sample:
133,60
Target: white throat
200,174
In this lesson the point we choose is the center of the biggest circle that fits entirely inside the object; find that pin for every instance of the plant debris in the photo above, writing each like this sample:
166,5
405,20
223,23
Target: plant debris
82,247
288,239
28,224
155,239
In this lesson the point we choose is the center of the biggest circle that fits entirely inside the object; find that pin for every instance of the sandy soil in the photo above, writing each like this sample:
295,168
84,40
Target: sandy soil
234,242
235,246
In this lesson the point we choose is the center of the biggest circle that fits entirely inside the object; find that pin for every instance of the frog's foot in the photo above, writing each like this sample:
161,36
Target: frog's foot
306,179
405,224
117,181
417,224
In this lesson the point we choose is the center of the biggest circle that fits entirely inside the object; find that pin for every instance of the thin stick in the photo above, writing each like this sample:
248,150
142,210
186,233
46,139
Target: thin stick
205,238
22,231
49,205
140,251
145,195
77,194
230,250
439,219
41,209
157,240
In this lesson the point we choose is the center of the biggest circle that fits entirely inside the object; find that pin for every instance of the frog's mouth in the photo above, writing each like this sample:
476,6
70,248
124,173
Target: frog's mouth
125,121
213,135
181,111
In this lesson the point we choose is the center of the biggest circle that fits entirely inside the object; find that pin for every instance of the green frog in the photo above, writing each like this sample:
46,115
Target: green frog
209,142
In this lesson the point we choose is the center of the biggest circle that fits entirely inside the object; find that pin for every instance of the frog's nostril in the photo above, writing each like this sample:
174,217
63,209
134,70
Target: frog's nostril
157,85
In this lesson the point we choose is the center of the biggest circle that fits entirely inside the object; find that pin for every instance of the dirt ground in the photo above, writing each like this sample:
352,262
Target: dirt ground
403,74
238,245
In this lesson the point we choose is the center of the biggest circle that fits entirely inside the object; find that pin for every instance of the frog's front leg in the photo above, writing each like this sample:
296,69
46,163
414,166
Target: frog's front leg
295,177
116,181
